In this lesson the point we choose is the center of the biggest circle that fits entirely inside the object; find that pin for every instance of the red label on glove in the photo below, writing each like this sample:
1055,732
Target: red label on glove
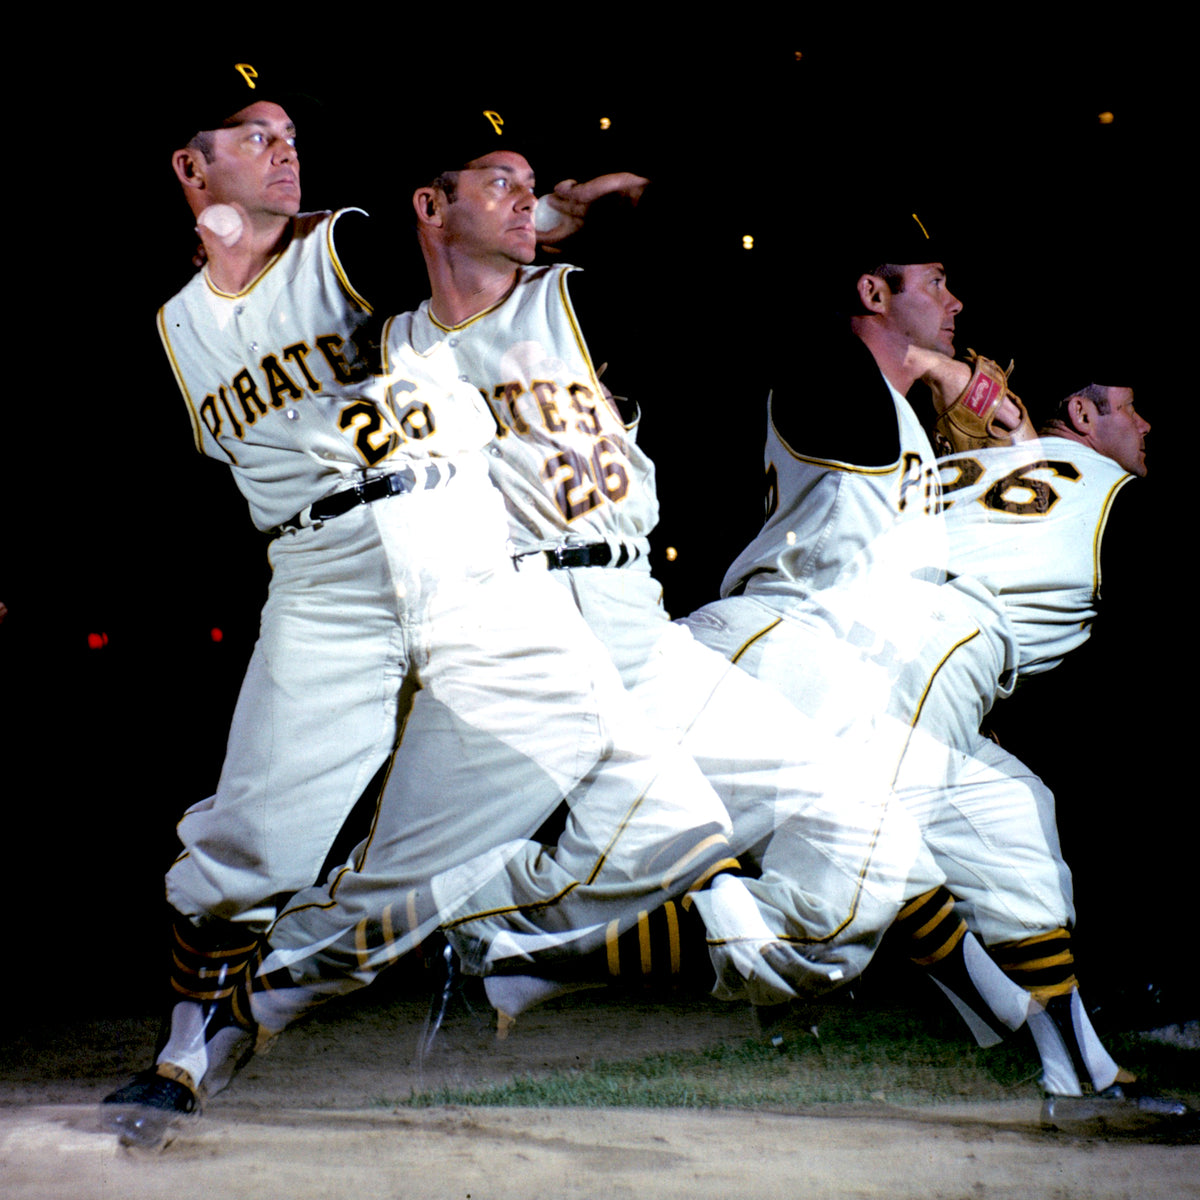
981,396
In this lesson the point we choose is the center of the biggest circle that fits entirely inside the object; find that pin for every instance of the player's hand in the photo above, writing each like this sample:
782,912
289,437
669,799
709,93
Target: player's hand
1008,416
947,377
562,213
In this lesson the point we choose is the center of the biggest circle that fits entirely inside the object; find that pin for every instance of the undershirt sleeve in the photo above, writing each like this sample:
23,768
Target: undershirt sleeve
382,262
835,404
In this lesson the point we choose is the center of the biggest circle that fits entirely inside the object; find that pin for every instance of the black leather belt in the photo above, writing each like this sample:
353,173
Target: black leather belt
598,555
366,492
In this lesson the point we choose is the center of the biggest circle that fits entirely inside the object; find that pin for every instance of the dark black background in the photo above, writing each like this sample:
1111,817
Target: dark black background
1066,233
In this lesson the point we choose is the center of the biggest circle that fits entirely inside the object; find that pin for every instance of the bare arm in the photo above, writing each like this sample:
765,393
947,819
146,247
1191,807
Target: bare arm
948,378
562,213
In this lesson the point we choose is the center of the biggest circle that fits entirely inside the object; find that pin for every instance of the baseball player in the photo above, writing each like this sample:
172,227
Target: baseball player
394,611
581,503
839,602
1026,521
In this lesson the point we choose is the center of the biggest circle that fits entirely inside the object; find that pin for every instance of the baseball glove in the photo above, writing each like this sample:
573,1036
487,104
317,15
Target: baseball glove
968,424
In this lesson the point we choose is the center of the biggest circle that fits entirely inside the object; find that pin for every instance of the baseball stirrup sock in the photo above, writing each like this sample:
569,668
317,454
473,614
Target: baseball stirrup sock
659,947
1069,1048
207,962
939,943
208,1033
1043,965
1071,1053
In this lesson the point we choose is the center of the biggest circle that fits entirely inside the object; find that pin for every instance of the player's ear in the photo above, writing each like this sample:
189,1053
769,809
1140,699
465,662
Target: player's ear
873,293
189,168
1081,414
427,203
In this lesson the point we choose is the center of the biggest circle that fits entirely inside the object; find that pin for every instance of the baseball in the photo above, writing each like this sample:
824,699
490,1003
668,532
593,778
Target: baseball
223,221
546,217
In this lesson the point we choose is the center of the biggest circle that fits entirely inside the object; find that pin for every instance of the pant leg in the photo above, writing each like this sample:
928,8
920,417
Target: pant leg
837,856
986,819
990,824
315,719
517,703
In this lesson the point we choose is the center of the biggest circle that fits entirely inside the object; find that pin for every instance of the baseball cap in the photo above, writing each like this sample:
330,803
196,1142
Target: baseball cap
898,237
216,89
465,132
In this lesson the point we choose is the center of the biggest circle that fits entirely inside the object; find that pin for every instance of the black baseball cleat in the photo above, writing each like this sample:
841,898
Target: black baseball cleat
145,1111
1117,1111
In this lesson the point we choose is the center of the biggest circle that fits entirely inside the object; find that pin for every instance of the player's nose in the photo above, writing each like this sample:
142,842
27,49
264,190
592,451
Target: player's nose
953,304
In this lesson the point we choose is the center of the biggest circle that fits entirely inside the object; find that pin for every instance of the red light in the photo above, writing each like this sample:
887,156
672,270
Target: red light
97,641
216,634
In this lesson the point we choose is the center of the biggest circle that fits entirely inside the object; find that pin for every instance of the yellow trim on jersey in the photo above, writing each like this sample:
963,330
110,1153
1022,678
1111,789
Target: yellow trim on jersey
161,322
874,836
925,696
750,641
384,365
505,909
831,463
945,659
858,890
563,272
212,287
474,316
197,425
1105,509
343,278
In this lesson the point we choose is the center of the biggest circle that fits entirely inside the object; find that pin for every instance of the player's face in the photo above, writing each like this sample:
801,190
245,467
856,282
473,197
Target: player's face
923,311
492,214
254,162
1121,432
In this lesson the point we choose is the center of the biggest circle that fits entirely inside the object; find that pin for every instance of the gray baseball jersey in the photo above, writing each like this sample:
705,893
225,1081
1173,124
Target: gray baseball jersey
841,608
1027,522
833,524
403,615
568,465
281,381
572,477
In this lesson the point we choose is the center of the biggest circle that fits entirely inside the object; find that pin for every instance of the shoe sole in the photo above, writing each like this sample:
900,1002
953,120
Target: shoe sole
142,1126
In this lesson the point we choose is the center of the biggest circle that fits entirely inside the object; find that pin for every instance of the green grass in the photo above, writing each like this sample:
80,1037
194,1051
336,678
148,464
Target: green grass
865,1053
859,1057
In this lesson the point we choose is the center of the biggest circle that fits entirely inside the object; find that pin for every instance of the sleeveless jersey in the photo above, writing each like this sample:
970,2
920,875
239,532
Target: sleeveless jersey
1027,522
282,381
568,467
831,525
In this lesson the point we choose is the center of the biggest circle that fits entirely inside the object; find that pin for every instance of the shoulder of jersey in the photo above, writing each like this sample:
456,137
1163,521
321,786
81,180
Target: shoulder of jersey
305,224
